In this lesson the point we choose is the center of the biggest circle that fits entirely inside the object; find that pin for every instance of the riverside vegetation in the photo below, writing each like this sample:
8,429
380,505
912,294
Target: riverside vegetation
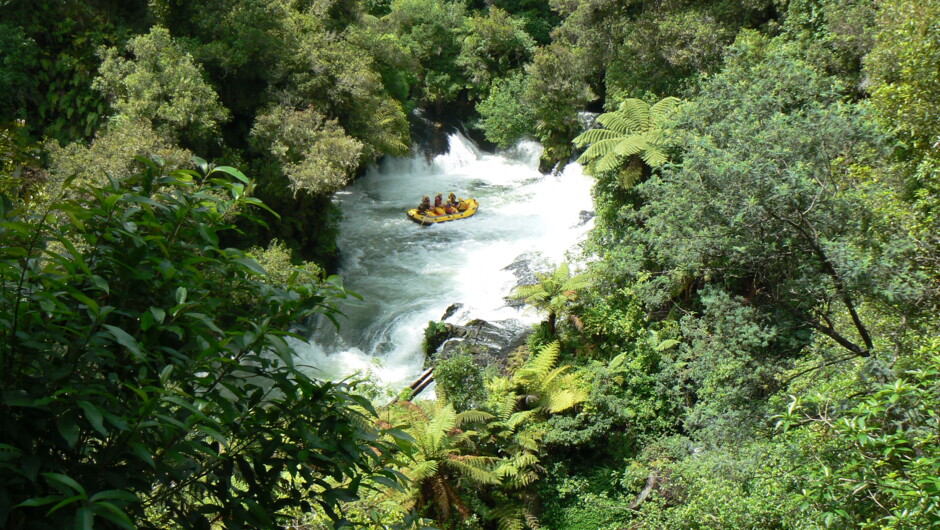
752,343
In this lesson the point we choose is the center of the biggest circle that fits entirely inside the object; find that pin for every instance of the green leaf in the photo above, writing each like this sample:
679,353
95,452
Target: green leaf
158,314
216,435
667,344
120,495
251,265
114,514
205,320
84,519
39,501
68,429
124,339
94,416
233,172
65,484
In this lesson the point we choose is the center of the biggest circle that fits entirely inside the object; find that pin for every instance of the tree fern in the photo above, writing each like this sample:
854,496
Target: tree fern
553,292
632,132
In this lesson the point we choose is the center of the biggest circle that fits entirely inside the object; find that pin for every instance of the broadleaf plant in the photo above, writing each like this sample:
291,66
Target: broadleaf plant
146,380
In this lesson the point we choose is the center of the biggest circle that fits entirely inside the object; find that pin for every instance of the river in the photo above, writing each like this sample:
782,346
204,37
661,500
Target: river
409,274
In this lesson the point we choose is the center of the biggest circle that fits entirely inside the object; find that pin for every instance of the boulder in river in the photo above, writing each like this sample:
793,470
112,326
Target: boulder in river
490,343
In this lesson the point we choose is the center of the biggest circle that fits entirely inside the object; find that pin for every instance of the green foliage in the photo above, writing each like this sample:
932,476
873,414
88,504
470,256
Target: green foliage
554,292
903,67
56,99
338,76
835,35
279,262
539,386
537,16
875,464
139,391
495,45
20,173
18,53
161,85
905,97
582,501
443,469
434,335
432,31
555,90
633,131
315,153
636,383
460,381
504,118
113,154
738,486
734,212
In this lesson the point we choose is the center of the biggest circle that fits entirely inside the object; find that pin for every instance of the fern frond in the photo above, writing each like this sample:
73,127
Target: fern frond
609,163
631,145
540,364
529,442
522,480
508,518
441,423
564,400
663,110
636,112
599,150
518,418
592,136
531,520
616,362
423,470
525,292
630,176
654,157
553,379
477,472
619,123
526,460
578,282
561,274
473,416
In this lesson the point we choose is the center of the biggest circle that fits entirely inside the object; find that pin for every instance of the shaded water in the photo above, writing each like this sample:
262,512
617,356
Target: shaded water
409,274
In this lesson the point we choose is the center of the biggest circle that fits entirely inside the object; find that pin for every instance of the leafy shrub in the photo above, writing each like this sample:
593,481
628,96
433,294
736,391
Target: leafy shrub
434,335
137,390
460,381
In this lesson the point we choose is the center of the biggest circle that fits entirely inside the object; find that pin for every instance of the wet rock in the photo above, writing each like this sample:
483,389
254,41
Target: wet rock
585,216
490,343
451,311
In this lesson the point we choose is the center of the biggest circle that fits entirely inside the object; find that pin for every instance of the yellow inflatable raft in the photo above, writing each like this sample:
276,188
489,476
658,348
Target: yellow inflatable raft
467,208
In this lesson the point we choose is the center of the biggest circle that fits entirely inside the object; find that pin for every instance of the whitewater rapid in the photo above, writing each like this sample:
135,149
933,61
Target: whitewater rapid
409,274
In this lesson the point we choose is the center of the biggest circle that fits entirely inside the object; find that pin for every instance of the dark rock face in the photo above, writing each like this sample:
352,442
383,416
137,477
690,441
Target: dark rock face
585,216
490,343
451,310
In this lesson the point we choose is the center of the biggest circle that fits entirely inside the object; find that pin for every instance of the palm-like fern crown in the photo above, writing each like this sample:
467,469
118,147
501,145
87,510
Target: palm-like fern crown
554,290
634,129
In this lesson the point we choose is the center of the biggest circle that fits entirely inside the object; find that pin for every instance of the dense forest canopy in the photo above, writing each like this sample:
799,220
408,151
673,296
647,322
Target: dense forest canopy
750,341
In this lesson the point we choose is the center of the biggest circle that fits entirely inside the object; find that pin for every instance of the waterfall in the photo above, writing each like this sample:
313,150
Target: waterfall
409,274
